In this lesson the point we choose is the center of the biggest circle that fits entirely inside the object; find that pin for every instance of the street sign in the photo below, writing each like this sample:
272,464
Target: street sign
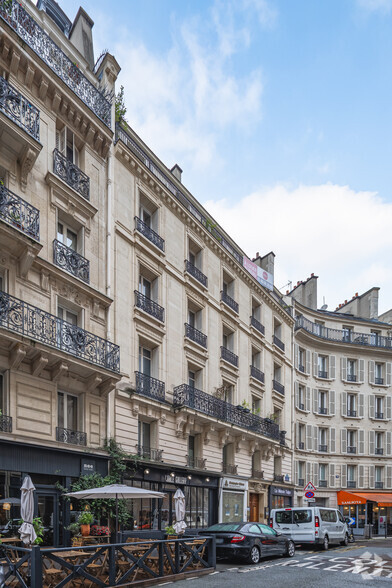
311,500
309,494
310,486
351,521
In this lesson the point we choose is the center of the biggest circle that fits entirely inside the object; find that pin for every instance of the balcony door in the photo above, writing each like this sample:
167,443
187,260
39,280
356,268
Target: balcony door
68,417
47,507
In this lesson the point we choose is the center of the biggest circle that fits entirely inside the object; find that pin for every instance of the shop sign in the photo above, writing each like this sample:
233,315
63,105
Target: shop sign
281,491
87,467
234,484
175,479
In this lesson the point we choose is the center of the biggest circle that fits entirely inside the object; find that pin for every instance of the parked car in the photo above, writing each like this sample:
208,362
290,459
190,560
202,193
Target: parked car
311,525
249,541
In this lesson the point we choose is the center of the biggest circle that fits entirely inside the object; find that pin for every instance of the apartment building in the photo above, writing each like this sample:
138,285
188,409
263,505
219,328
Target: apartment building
343,400
57,363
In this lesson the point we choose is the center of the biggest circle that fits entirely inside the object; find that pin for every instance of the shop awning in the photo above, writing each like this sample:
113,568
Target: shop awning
350,498
381,498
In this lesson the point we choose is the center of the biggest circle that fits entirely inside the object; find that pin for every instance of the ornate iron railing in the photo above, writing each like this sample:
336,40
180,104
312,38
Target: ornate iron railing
149,306
18,213
195,335
379,485
196,273
149,233
149,453
229,356
322,410
301,368
256,373
18,109
323,483
197,463
5,424
257,325
278,342
34,323
367,339
13,13
71,174
323,448
351,378
351,449
187,396
379,415
379,451
351,413
278,478
351,484
229,301
229,468
71,437
277,386
71,261
322,374
257,474
149,386
379,381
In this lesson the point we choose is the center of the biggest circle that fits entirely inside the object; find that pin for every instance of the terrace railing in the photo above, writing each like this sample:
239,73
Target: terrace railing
18,213
71,261
149,234
17,108
71,437
195,335
71,174
149,386
149,306
5,424
194,271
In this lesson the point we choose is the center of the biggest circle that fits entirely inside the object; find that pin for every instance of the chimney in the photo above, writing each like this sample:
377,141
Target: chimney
176,171
81,36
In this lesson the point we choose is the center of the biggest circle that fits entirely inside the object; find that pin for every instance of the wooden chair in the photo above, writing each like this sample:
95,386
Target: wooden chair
195,544
51,576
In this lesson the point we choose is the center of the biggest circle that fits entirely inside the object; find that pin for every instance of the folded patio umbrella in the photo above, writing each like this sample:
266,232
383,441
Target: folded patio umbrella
26,530
179,500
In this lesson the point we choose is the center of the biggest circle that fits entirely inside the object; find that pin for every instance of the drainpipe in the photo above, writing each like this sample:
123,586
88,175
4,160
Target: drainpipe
109,267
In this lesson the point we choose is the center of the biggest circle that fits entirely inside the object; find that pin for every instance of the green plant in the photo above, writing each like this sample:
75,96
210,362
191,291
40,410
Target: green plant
245,404
73,528
86,518
256,410
120,108
170,530
39,530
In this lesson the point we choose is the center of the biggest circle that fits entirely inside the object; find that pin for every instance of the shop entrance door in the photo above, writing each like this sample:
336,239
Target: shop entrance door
254,507
47,508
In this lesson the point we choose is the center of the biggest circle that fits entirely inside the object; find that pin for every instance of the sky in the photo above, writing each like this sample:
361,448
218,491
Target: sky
279,113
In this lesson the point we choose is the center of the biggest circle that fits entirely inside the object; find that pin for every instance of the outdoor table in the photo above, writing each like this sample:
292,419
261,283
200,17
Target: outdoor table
95,538
10,540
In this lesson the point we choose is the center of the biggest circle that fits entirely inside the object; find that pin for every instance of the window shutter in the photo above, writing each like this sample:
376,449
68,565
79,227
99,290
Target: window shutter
332,475
361,441
315,474
315,438
332,440
60,141
331,402
297,435
308,472
308,395
361,405
296,473
343,441
389,477
332,368
315,401
361,370
389,373
344,403
76,155
371,471
296,392
389,407
372,441
389,443
343,368
309,440
371,405
361,475
343,475
296,355
371,372
307,367
315,364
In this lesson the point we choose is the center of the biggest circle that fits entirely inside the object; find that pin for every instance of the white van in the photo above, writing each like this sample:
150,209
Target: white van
311,525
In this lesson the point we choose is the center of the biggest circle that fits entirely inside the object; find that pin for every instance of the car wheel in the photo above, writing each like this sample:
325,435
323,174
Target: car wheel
345,540
290,550
326,543
254,556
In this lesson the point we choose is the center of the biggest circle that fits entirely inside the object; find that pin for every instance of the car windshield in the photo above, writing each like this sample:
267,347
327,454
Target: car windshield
229,527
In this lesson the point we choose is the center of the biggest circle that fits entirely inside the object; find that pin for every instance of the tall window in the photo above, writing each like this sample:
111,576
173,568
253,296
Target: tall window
322,475
67,236
351,370
351,441
144,436
378,374
379,473
379,406
352,405
67,411
145,287
301,473
256,405
65,143
66,314
301,397
322,366
301,359
351,476
323,436
323,402
2,394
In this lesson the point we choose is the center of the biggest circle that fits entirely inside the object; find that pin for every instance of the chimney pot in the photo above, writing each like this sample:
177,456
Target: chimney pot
345,302
257,254
311,275
176,171
356,293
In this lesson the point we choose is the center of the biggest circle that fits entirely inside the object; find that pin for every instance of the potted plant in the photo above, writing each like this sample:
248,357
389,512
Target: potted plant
85,520
39,530
171,532
245,406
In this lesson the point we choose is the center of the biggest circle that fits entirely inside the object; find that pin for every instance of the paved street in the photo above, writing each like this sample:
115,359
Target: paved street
360,564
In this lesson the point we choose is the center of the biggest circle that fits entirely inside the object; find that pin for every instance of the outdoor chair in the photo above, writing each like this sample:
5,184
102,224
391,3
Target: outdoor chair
51,576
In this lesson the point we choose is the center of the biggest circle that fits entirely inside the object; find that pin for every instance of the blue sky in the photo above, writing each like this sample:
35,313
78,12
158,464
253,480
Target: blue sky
279,113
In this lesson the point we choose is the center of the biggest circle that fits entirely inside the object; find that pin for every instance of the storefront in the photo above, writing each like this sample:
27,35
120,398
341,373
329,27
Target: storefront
280,497
233,500
367,508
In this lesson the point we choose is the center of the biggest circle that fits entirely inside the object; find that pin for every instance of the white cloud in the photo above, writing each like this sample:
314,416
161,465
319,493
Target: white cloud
339,234
383,7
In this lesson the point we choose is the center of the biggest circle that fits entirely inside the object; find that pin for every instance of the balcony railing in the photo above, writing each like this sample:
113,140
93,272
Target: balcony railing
379,415
351,449
229,468
187,396
13,13
351,378
71,261
379,485
18,213
278,478
256,373
196,463
301,368
18,109
149,234
257,474
351,413
33,323
366,339
301,481
257,325
149,306
71,437
301,445
351,484
323,483
71,174
322,410
229,356
278,387
282,437
322,374
379,451
301,406
379,381
323,448
278,342
229,301
151,387
5,424
196,273
195,335
149,453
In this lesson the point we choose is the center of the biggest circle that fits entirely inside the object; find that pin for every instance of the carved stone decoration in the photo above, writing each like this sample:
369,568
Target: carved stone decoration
26,165
135,409
17,355
39,364
59,370
181,421
162,418
224,437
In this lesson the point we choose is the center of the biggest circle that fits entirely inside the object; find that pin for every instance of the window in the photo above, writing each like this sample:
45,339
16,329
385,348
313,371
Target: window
318,327
67,414
277,466
228,285
195,316
2,394
323,402
323,439
65,143
379,476
256,404
328,516
191,378
67,236
301,436
379,443
277,372
351,441
301,517
301,397
278,329
351,405
322,366
284,517
323,475
256,310
145,361
378,374
191,448
228,454
145,287
301,473
351,476
144,437
301,359
379,406
228,393
256,358
347,334
148,212
228,339
195,254
351,370
65,314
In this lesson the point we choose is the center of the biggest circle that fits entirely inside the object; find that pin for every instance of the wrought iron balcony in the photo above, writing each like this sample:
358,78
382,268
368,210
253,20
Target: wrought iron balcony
229,301
323,448
322,410
15,106
5,424
229,468
322,374
195,335
257,374
257,474
18,213
71,261
196,273
351,378
278,342
149,306
301,445
33,323
71,437
13,13
149,386
340,336
229,356
351,413
301,406
379,381
278,387
301,482
351,484
379,485
257,325
278,478
71,174
149,234
301,368
379,415
379,451
282,437
351,449
149,453
187,396
196,463
323,483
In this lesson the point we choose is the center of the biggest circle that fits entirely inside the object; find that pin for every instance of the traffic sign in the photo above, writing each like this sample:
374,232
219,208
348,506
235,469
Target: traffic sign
351,521
309,494
310,486
311,500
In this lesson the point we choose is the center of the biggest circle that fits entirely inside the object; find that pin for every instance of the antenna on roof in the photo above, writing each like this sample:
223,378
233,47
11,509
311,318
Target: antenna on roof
324,306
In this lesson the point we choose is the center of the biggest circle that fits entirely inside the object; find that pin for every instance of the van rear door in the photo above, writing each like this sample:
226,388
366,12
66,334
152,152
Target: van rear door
284,522
303,525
